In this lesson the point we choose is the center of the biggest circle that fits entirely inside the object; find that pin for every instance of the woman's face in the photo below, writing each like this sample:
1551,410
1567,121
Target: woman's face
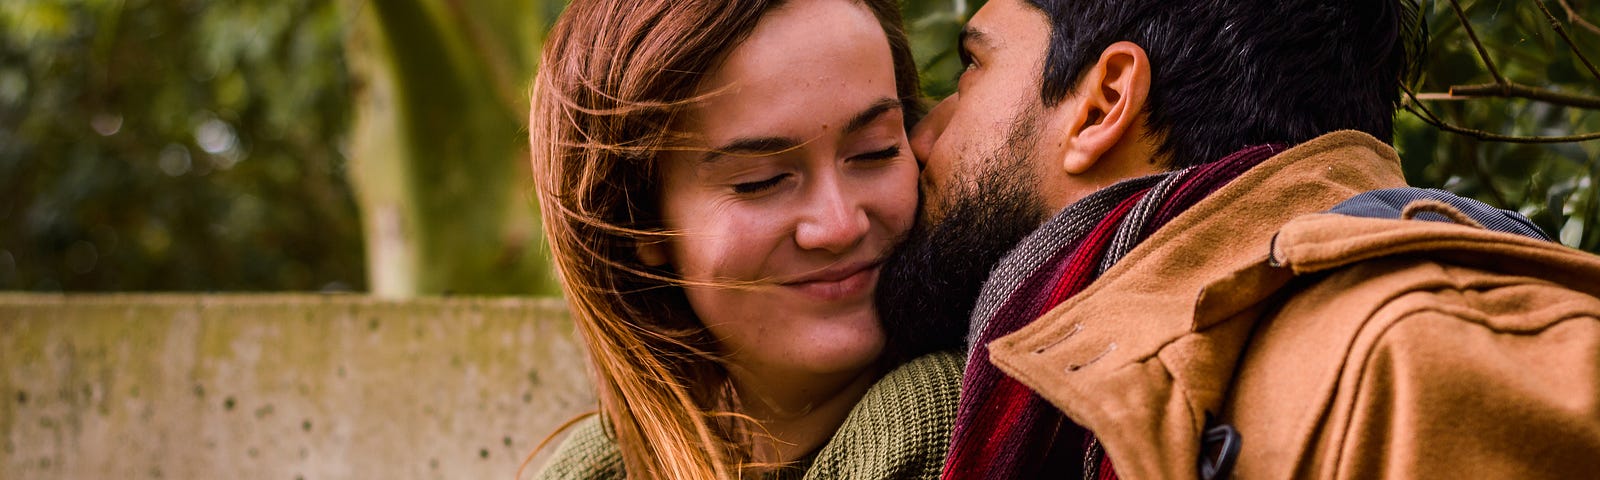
809,184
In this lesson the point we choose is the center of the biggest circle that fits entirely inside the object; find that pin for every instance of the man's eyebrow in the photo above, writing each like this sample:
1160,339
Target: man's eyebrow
969,36
877,109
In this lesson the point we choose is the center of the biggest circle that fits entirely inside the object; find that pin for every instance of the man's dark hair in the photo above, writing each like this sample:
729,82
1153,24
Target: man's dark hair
1227,74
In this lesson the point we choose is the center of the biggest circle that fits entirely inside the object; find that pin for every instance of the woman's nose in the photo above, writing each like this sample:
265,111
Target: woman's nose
835,221
926,133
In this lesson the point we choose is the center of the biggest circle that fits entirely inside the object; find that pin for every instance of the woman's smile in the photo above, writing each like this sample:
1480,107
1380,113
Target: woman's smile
841,283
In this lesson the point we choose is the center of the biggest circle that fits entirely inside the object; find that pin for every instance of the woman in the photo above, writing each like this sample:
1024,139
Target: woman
720,181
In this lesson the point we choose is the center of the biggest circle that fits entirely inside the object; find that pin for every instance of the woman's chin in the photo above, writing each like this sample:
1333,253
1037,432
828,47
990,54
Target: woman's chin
841,354
830,350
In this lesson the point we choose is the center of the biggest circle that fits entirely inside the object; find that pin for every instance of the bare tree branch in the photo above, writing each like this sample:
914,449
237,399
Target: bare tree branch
1556,24
1466,24
1422,112
1495,137
1503,88
1517,90
1575,19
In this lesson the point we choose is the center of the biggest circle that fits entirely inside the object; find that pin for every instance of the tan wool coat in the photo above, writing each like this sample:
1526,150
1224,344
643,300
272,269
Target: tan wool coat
1339,347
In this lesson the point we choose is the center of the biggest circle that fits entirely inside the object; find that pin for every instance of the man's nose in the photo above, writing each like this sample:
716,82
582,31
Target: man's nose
926,133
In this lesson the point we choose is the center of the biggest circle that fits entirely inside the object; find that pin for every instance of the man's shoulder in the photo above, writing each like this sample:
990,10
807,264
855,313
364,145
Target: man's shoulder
1383,297
1402,344
1378,272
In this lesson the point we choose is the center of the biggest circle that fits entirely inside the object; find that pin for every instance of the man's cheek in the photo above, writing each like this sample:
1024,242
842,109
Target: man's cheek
928,187
930,207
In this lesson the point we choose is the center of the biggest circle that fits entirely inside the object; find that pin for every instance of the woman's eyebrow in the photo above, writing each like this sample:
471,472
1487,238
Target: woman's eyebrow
872,112
750,147
759,146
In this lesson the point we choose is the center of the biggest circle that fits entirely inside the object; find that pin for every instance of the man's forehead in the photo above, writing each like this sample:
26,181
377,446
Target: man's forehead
976,31
996,24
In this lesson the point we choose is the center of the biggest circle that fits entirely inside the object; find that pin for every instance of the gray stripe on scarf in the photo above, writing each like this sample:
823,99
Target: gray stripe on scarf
1063,230
1138,219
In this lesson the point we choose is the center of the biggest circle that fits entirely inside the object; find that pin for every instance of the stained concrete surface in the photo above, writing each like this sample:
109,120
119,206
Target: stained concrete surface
289,387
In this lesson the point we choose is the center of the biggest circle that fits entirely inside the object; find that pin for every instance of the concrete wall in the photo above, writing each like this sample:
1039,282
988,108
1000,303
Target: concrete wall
281,386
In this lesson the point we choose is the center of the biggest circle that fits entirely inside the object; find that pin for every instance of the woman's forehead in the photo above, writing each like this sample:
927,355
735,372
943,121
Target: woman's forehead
806,67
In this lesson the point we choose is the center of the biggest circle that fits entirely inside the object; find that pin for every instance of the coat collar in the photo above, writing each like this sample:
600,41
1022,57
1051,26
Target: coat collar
1144,354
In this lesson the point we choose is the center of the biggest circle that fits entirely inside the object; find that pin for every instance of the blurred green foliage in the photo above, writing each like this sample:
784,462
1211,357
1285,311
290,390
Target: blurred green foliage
174,145
203,144
933,26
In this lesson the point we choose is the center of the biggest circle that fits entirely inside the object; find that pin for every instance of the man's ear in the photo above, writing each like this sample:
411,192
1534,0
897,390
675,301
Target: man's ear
1112,94
651,251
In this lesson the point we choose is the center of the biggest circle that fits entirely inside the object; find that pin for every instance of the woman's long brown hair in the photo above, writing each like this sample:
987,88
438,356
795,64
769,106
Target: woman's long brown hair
614,76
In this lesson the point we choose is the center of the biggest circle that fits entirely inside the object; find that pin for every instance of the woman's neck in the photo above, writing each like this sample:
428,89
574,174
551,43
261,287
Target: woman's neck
797,413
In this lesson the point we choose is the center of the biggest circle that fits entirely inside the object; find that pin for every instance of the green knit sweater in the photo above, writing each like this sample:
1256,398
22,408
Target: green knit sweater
899,430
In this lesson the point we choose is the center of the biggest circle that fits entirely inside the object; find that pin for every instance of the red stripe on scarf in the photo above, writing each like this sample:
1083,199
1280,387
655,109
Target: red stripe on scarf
1081,269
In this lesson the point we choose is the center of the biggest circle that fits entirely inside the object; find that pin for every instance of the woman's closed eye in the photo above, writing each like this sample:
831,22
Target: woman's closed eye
885,154
746,188
762,186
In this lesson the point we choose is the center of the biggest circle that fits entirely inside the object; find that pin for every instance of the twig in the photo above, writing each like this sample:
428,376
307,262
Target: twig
1428,116
1466,24
1517,90
1556,24
1495,137
1575,19
1477,166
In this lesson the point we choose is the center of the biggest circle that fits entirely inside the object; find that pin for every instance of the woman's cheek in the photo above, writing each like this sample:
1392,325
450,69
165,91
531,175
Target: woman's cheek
748,237
902,193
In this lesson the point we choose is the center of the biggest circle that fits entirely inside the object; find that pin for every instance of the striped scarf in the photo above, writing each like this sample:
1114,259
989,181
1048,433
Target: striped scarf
1006,431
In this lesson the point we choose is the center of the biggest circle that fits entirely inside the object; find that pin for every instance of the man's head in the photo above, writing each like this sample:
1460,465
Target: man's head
1111,90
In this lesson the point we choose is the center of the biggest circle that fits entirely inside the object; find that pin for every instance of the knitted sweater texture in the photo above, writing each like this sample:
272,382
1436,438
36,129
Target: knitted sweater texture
899,430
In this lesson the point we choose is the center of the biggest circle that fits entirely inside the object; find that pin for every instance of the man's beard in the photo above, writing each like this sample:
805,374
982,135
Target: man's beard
931,283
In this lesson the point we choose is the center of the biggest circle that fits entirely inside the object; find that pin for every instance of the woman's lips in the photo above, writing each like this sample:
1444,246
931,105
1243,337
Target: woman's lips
835,285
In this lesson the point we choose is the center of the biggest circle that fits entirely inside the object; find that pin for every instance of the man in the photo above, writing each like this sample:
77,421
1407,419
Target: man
1216,267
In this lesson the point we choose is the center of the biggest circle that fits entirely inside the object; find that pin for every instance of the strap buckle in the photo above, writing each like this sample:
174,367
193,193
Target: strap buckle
1219,450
